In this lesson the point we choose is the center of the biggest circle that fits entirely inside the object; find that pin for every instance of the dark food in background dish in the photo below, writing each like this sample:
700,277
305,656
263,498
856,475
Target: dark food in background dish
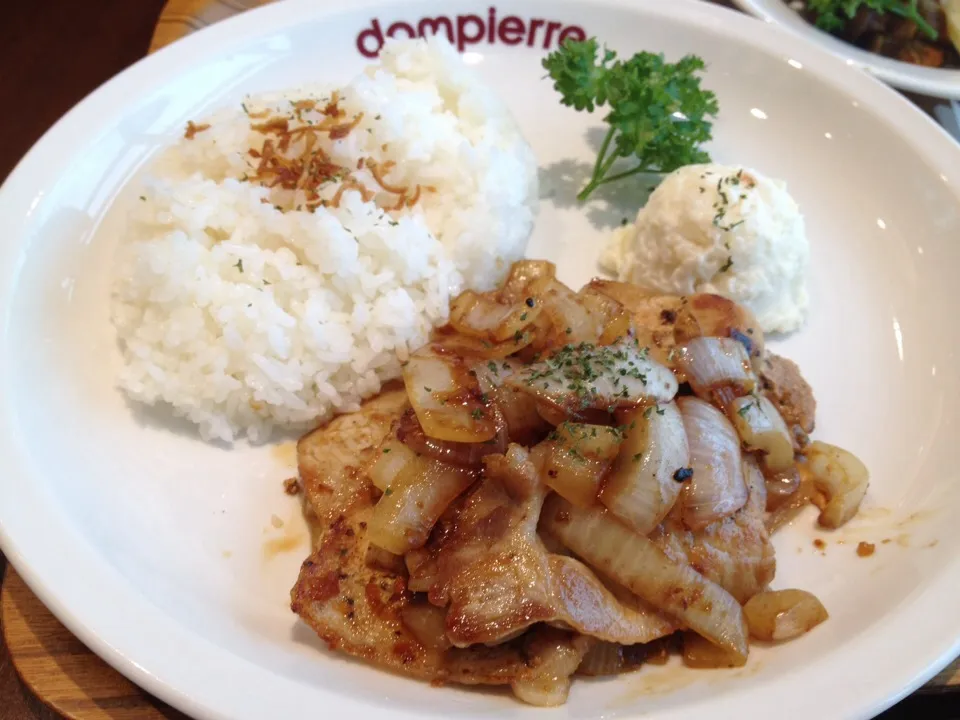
891,35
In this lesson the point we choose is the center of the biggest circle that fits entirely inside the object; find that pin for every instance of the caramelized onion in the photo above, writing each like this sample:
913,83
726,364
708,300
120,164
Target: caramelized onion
521,277
762,429
411,434
481,316
550,414
784,510
712,362
615,321
640,488
524,423
552,658
840,476
515,470
380,559
698,652
426,622
480,349
781,486
606,658
575,457
595,442
422,570
569,320
589,606
583,377
777,615
637,563
717,316
447,398
518,410
388,462
575,477
717,488
408,509
664,321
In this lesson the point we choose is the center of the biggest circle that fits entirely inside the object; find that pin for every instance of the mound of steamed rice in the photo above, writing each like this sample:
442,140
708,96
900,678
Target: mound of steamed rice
244,308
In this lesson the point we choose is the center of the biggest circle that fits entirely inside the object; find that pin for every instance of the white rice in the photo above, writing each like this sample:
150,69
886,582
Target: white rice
243,317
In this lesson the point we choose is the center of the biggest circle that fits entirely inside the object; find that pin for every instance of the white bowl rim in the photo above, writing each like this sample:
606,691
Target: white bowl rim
99,606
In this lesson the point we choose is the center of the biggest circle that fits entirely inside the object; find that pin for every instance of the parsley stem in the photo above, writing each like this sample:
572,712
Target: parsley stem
602,154
627,173
600,170
596,182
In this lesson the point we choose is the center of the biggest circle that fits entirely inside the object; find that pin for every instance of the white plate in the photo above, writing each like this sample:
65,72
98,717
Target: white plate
928,81
153,546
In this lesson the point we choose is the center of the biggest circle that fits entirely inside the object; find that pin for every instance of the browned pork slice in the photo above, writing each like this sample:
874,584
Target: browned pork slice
368,611
353,607
329,458
734,552
493,573
785,387
664,321
356,608
638,564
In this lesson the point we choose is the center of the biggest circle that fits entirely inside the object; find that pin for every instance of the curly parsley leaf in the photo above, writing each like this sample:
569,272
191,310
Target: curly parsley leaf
658,113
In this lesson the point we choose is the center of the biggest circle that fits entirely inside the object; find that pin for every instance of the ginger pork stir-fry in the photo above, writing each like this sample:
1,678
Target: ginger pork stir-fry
568,482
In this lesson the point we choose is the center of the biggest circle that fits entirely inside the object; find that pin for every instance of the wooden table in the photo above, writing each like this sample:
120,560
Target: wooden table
53,52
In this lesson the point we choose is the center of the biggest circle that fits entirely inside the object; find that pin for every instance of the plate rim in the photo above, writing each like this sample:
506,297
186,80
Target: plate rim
927,81
151,654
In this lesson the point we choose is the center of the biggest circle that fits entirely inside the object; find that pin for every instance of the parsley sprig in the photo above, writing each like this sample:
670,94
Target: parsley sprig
833,15
658,113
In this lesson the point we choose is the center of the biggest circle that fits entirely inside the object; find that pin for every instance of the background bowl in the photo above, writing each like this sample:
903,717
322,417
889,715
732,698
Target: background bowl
928,81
